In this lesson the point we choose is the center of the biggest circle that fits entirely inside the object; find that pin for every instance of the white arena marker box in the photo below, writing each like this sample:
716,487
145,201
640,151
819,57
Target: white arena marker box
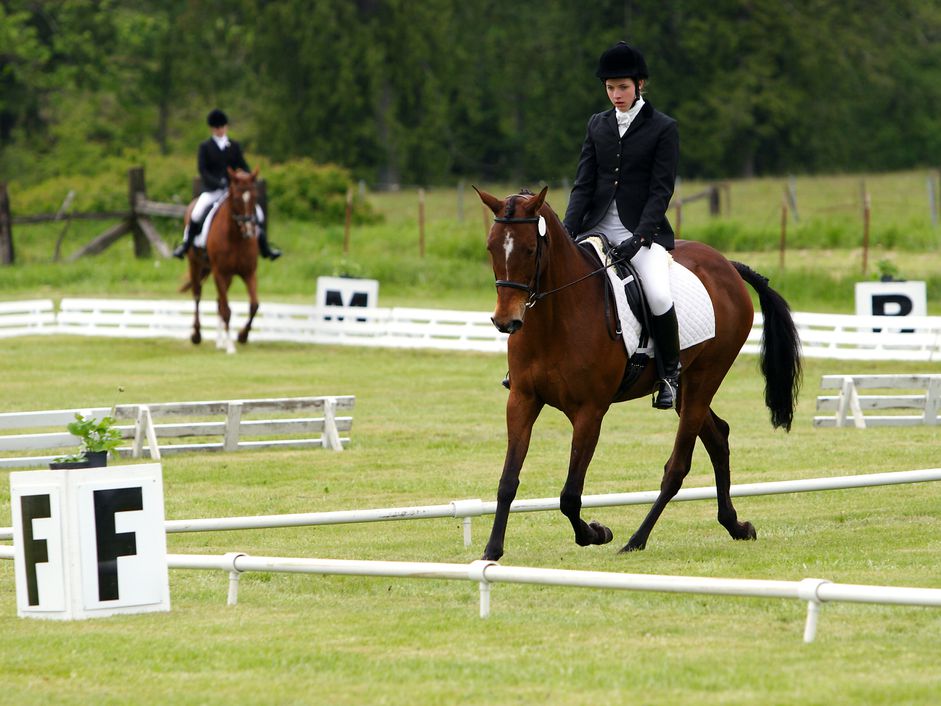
89,543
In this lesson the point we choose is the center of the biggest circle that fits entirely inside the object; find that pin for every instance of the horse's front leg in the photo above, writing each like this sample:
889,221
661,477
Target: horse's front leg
521,414
223,337
586,427
251,283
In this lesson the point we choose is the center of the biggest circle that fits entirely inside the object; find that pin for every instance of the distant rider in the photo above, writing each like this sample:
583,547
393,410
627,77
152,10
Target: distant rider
215,154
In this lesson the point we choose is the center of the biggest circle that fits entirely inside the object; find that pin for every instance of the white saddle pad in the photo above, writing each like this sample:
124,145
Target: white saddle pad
694,312
203,235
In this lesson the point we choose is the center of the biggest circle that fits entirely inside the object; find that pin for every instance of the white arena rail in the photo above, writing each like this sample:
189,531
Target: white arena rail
846,337
848,405
812,590
468,509
27,318
361,326
213,425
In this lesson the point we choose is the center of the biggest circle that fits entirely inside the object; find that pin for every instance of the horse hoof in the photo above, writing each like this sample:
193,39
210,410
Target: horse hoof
243,337
196,338
633,546
605,534
747,531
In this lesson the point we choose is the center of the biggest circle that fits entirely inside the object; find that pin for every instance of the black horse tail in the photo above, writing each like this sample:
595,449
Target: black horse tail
780,349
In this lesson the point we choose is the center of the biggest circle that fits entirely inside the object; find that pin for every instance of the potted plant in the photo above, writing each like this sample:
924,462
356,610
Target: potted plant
97,437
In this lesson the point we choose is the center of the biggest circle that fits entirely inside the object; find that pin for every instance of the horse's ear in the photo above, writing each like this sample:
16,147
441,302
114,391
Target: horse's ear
255,174
490,201
231,173
539,199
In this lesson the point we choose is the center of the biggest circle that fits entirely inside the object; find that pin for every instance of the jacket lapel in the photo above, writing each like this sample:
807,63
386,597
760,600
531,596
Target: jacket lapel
611,121
639,119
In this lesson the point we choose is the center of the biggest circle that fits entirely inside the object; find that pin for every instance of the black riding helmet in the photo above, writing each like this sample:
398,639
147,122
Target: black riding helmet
622,61
217,118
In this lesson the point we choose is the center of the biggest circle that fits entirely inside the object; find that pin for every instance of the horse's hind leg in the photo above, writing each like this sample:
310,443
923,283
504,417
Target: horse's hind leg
693,412
586,427
715,437
251,283
196,283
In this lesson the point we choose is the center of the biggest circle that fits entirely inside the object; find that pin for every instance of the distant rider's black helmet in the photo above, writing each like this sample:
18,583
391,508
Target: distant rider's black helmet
621,61
217,118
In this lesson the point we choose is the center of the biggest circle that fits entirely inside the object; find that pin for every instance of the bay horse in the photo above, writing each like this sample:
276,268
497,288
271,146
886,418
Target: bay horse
231,249
551,299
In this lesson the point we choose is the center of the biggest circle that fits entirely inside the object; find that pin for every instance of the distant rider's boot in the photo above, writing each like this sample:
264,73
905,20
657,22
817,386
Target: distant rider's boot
506,381
180,250
266,250
667,340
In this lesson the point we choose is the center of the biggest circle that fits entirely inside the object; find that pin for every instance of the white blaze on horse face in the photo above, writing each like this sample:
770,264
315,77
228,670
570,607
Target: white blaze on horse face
508,248
246,197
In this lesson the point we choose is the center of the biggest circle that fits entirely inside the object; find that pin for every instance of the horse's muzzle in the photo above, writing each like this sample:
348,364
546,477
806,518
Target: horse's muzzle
511,326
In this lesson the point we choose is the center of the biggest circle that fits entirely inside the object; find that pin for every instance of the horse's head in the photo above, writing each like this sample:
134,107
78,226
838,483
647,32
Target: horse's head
242,198
515,243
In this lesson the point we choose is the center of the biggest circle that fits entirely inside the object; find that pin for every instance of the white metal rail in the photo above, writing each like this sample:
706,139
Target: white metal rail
468,509
811,590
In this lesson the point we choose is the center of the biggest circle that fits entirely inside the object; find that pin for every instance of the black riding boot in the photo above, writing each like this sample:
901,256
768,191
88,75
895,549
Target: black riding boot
666,337
506,381
266,250
180,250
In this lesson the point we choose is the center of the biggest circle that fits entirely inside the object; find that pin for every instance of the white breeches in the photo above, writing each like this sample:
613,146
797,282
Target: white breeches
653,267
652,264
207,199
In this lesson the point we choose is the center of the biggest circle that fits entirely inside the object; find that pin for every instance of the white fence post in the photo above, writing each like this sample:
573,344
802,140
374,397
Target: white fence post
233,420
850,398
933,401
145,425
330,435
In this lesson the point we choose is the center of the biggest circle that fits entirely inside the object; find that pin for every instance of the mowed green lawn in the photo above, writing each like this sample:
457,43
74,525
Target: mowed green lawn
428,428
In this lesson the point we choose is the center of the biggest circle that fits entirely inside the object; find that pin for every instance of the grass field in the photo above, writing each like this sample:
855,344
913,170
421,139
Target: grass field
428,429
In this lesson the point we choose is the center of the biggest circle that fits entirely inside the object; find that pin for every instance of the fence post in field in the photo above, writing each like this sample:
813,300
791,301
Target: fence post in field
346,222
460,201
783,244
866,215
421,222
6,227
791,192
715,202
63,209
137,189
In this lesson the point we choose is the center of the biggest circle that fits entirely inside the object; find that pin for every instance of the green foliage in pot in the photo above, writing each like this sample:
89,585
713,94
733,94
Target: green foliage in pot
95,436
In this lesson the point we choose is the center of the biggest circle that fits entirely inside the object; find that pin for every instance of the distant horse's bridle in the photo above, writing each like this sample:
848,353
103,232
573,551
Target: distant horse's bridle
245,221
533,288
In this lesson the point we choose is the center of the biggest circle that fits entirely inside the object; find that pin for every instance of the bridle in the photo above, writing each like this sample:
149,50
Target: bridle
532,289
246,223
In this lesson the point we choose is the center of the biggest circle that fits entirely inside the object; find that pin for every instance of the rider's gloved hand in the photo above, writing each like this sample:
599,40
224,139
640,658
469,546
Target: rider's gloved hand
626,249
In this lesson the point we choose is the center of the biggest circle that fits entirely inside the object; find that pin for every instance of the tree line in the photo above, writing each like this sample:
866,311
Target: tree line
399,91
